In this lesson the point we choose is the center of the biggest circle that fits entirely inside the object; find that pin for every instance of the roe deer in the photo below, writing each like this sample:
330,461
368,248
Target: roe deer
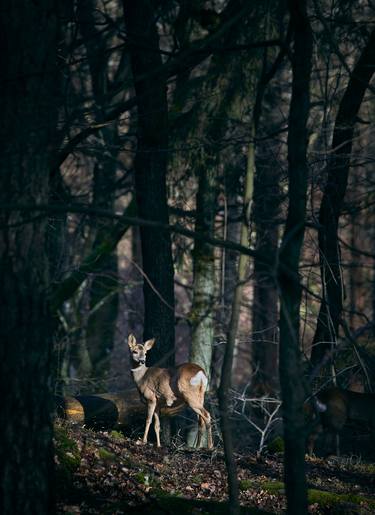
334,407
160,387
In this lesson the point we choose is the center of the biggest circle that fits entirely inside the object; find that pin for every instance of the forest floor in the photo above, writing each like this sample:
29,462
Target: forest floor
106,473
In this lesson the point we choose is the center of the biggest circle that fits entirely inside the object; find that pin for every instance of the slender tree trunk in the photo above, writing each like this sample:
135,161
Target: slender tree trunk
150,177
28,92
291,380
331,206
229,262
226,375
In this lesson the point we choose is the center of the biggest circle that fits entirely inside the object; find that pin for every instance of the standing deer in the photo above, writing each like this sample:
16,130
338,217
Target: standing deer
160,387
334,407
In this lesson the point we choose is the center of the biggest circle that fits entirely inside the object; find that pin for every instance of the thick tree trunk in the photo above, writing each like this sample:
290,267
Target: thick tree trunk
28,38
331,206
291,380
266,208
104,299
107,410
101,324
150,178
220,97
265,302
204,285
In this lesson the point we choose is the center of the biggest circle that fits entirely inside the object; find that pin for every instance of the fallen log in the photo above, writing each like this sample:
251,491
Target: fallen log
106,410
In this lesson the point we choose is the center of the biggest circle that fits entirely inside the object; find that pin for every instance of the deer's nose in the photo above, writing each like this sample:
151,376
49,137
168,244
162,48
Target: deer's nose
142,361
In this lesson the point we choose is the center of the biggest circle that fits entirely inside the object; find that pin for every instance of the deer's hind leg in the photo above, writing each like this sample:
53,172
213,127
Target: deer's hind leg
201,427
204,421
157,427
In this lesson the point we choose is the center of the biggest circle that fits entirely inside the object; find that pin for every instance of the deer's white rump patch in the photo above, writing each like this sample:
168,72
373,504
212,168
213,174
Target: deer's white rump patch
199,378
321,406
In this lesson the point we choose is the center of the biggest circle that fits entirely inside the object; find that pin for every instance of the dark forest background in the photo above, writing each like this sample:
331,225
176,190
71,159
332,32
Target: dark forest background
199,172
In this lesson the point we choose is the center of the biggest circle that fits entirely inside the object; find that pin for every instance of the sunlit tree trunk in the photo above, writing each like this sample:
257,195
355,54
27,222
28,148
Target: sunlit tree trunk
28,93
204,287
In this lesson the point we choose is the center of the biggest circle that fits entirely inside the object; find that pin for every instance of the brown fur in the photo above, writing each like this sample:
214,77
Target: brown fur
161,387
342,406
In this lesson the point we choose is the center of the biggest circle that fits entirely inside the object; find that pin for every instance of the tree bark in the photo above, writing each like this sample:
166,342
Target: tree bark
204,285
150,178
291,381
28,93
333,198
101,325
226,374
107,410
267,201
221,98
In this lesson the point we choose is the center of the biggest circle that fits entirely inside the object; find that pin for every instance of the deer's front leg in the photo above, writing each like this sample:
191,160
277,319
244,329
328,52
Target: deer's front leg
151,406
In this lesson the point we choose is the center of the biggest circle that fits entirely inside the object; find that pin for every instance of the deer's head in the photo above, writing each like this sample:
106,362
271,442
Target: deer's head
138,351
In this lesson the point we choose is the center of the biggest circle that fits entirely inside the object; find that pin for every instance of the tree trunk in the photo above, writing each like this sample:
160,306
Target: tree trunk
150,178
101,324
107,410
265,300
229,271
331,206
28,92
291,380
204,285
226,375
266,208
221,98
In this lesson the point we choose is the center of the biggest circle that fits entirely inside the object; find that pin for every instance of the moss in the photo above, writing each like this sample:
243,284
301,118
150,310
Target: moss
324,499
116,435
246,484
330,499
106,455
366,468
276,445
273,487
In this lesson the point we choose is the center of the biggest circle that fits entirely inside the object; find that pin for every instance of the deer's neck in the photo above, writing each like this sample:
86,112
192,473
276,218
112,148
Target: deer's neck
138,373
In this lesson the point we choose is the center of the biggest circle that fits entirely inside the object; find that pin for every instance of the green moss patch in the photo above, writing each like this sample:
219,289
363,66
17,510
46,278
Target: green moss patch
116,435
321,497
106,455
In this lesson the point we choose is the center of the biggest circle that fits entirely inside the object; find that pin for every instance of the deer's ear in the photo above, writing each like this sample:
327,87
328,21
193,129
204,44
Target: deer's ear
132,342
149,344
